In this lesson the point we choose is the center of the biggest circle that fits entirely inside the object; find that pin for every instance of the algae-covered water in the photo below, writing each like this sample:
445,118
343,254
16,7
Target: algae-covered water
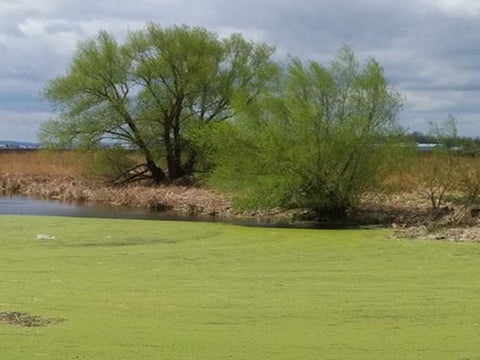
133,289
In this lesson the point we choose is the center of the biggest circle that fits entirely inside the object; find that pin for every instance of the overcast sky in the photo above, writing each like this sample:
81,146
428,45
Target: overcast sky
430,49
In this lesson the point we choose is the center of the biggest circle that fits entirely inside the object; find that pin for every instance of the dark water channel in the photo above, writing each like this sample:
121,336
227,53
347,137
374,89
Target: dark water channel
24,205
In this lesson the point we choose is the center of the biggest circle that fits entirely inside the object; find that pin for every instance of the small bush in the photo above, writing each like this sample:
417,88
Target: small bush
437,176
468,179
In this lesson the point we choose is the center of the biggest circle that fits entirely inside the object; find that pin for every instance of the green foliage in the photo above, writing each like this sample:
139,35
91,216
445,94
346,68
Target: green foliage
318,140
149,90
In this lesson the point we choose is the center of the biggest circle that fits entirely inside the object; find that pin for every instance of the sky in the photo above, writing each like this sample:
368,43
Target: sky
429,49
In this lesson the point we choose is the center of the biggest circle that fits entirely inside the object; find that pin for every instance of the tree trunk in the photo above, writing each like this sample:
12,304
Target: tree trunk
173,143
158,175
174,161
174,168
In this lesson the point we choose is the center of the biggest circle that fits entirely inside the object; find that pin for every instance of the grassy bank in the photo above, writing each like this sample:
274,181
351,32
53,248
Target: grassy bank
175,290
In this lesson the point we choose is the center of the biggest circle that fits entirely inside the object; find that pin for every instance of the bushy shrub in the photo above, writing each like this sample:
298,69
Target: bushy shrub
317,141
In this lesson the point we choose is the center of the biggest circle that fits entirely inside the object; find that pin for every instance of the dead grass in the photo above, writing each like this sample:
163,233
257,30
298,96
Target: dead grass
44,163
423,168
60,175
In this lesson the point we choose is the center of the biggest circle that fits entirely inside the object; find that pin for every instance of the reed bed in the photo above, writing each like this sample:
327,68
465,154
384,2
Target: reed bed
421,169
44,162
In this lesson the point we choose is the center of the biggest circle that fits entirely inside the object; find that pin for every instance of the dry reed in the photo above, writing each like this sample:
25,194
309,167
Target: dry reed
44,163
59,175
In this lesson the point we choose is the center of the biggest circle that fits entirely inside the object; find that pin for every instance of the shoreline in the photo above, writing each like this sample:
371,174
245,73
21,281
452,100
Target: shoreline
407,214
182,199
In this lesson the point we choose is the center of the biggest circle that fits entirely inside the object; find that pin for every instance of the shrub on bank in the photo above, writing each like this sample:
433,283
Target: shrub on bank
318,141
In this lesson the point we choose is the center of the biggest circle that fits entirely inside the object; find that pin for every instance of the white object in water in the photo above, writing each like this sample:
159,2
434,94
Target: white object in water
45,237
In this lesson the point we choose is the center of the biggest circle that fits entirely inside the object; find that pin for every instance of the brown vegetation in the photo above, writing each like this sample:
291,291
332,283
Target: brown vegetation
26,320
403,201
189,200
44,163
59,175
434,196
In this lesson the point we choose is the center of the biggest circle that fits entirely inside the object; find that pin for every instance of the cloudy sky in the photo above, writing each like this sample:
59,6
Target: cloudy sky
430,49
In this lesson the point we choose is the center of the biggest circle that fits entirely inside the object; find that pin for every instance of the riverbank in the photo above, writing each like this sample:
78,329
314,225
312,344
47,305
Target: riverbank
60,175
408,214
189,200
182,199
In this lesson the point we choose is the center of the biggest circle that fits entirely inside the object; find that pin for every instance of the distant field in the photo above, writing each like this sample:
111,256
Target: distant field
179,290
43,163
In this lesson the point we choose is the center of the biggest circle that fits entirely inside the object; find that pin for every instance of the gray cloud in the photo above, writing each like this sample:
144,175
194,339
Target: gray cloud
429,48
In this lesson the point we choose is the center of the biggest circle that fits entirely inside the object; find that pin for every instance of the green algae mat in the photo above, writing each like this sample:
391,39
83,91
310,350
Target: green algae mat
74,288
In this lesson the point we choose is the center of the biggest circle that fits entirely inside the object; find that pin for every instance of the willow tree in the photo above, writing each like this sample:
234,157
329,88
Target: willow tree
150,91
318,141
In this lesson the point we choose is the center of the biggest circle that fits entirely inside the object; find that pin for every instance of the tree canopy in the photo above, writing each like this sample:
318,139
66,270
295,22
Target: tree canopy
298,135
151,90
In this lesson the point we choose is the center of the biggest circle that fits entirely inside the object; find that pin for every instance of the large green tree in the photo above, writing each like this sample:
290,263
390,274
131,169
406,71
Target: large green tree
318,141
154,89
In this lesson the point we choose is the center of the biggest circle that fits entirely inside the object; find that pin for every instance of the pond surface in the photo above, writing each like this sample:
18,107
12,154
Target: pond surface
24,205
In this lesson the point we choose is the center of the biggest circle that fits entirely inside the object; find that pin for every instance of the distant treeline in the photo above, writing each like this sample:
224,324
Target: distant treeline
17,145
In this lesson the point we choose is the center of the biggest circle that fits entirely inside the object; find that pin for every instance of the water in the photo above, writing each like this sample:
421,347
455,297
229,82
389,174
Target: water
24,205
